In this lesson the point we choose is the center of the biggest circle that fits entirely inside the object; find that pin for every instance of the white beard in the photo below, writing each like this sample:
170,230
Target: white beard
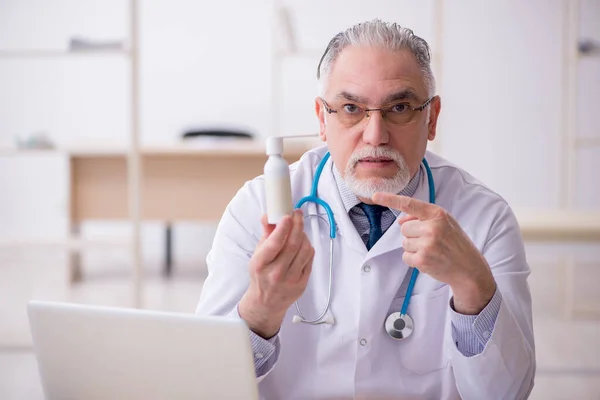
366,188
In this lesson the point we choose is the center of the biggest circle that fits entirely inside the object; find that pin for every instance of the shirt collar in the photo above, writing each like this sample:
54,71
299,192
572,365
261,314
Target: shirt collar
350,200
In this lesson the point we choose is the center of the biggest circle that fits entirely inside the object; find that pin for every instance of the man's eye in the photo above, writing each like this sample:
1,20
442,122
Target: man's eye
351,109
400,108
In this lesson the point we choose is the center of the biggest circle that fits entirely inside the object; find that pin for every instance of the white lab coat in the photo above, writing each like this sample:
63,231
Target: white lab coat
329,361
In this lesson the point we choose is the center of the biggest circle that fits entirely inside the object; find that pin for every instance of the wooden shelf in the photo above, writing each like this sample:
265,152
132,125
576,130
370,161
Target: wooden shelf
191,147
12,151
66,244
233,148
58,53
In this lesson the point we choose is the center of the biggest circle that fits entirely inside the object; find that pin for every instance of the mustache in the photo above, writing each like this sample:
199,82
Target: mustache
381,151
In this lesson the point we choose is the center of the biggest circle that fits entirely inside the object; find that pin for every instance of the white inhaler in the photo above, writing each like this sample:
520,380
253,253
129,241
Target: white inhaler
278,185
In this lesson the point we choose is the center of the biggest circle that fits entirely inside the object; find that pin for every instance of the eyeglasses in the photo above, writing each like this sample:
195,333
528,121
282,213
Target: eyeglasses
397,114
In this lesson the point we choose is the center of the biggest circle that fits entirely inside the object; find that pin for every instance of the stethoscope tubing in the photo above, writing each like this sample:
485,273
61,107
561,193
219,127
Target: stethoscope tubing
332,234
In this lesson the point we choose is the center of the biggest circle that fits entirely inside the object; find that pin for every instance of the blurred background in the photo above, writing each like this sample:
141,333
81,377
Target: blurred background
120,121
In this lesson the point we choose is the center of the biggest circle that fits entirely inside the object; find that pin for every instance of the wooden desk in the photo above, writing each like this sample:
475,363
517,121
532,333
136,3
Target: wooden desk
178,183
195,182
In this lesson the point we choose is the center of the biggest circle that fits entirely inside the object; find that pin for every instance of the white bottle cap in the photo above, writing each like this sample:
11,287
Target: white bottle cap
274,145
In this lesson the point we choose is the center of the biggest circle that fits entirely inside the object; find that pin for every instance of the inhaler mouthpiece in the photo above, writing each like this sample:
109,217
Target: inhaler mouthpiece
274,145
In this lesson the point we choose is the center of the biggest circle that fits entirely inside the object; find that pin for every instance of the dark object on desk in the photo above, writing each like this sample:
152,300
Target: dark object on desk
79,43
224,133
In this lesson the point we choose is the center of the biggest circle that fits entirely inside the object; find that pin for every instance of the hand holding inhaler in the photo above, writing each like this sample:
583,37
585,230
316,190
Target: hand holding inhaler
282,262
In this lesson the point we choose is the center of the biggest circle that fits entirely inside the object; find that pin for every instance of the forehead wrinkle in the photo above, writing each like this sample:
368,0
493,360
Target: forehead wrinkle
366,74
405,93
347,95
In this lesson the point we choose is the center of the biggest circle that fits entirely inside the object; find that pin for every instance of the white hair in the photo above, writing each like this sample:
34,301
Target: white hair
377,33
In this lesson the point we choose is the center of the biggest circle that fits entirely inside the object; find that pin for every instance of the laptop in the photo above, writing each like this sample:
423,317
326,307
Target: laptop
98,352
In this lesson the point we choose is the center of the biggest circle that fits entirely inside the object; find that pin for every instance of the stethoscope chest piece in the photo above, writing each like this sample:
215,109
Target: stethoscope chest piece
399,326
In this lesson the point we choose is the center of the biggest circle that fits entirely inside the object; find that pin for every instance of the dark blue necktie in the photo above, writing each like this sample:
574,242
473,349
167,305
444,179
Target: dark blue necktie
373,213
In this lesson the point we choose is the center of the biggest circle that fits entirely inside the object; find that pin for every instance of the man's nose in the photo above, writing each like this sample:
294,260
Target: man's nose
375,132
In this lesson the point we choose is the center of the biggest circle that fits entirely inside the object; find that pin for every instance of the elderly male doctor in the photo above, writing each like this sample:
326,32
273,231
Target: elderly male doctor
470,304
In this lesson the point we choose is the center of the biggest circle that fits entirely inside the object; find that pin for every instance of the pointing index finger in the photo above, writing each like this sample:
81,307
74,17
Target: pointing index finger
408,205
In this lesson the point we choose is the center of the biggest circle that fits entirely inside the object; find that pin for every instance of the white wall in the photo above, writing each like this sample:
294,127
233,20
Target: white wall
502,104
204,63
211,62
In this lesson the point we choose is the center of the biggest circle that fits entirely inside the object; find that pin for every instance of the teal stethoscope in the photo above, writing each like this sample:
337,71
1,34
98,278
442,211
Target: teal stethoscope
399,325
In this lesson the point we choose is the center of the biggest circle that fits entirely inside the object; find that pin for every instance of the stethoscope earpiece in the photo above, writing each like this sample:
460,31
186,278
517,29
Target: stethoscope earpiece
328,319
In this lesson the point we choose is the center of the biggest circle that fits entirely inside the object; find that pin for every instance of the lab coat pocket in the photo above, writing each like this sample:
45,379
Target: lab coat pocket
423,351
